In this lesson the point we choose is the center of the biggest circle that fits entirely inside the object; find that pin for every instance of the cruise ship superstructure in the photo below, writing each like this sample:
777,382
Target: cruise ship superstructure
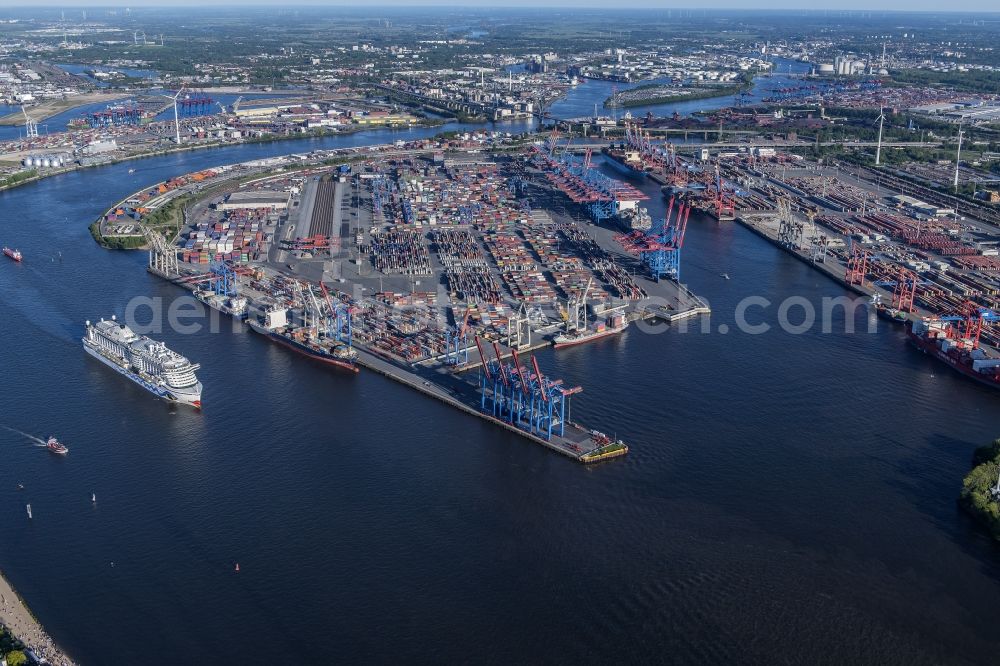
149,363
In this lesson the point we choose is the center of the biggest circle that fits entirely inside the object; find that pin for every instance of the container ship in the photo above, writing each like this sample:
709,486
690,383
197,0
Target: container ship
148,363
931,337
273,324
13,254
626,161
614,326
636,218
234,306
720,213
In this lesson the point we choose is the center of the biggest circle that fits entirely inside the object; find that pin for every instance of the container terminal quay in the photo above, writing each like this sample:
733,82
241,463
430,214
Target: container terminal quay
444,270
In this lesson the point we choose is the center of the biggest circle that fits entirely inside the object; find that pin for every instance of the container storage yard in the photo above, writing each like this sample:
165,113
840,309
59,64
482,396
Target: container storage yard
925,258
923,263
429,253
440,273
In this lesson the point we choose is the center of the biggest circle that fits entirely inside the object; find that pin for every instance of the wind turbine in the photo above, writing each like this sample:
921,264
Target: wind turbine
881,120
177,122
958,157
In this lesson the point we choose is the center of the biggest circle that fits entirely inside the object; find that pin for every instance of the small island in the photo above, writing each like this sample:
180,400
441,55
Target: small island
654,94
981,488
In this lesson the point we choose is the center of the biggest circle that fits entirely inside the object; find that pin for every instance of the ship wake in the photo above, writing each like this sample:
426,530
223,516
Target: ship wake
38,441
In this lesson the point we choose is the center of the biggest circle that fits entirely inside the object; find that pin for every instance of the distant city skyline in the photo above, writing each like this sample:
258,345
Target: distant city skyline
845,5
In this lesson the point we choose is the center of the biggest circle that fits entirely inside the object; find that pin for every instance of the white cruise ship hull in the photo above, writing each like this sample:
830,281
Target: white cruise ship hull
190,396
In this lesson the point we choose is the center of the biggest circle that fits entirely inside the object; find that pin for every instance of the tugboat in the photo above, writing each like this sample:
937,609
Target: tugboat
56,447
13,254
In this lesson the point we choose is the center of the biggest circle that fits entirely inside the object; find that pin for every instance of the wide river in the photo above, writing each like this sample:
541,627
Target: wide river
788,498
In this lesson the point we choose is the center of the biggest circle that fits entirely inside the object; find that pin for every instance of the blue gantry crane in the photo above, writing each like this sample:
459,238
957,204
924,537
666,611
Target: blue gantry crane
224,282
339,324
522,398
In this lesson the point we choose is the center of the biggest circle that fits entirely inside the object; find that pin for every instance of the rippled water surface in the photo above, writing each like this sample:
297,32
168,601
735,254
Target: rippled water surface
787,498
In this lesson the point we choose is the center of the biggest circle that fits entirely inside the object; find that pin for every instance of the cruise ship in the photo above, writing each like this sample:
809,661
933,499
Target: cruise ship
148,363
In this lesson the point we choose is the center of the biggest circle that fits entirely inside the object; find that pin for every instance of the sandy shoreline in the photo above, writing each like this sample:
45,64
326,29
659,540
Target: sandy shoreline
18,619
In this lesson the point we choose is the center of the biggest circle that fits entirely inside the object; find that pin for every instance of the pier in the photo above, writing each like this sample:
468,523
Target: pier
831,267
447,385
500,242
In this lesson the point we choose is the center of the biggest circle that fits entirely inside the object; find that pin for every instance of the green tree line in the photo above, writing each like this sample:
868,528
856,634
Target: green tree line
978,496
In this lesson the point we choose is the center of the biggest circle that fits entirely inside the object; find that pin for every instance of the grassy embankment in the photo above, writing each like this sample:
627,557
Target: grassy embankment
17,178
167,219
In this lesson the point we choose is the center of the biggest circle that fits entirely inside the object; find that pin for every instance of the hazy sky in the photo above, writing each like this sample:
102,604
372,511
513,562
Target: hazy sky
875,5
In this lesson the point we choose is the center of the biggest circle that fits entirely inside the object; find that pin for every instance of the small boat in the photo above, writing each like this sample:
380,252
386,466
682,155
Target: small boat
28,507
131,170
93,497
20,486
725,276
13,254
55,446
237,567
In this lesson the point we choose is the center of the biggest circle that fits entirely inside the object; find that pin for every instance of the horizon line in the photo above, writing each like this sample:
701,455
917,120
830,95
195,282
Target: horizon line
640,5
